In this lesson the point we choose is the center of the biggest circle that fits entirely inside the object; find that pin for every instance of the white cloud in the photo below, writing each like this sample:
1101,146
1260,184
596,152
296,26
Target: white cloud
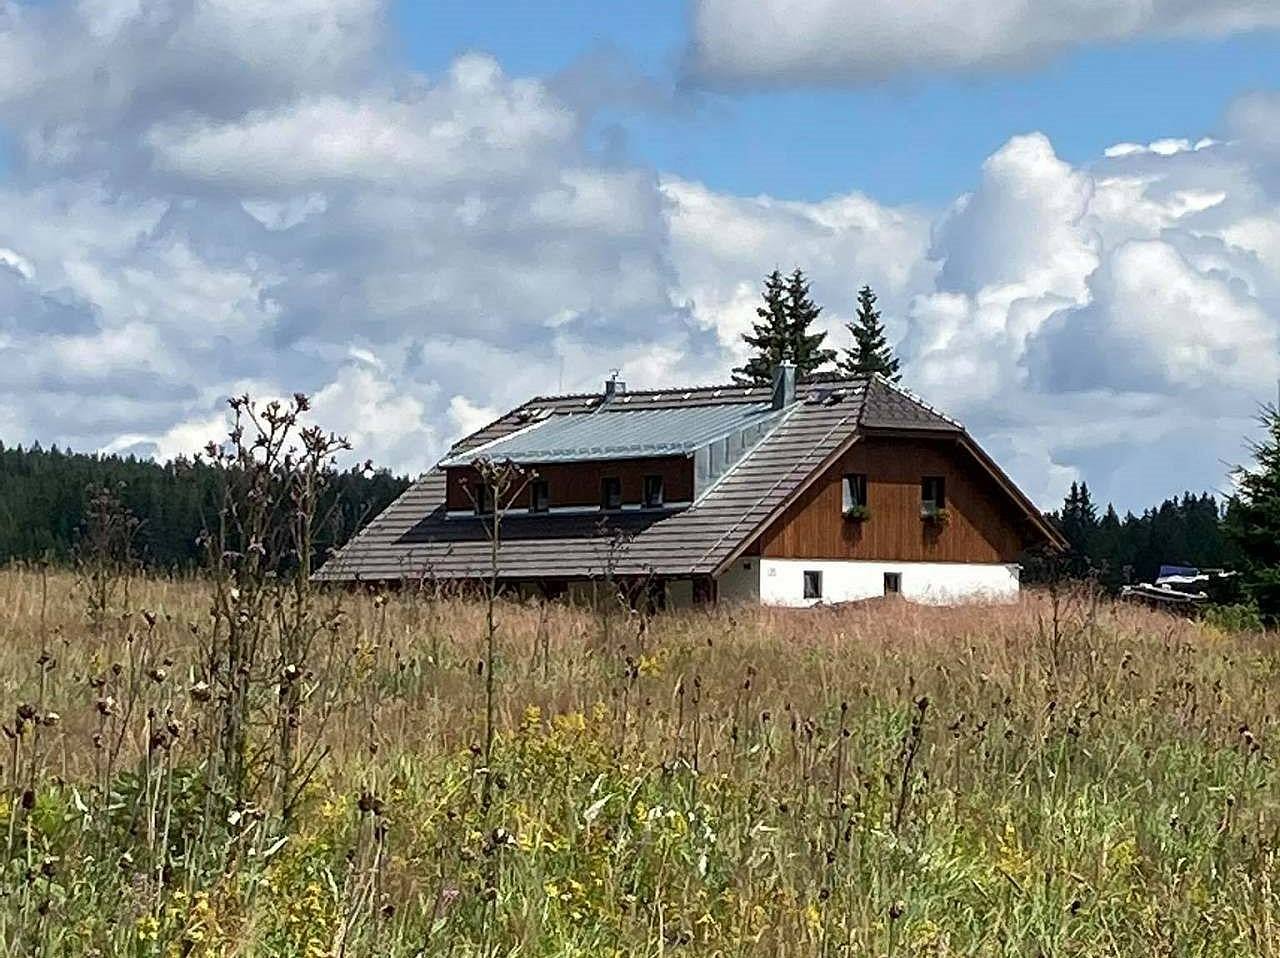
830,41
724,246
216,196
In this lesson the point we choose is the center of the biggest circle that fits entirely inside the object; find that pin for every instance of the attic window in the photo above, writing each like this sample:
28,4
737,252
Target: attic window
610,493
484,499
933,495
854,498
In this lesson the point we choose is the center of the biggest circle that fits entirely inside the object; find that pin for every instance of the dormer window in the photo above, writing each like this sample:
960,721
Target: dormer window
610,493
653,493
539,496
484,499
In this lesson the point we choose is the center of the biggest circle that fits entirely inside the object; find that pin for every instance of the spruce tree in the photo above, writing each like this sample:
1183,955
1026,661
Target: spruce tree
769,338
805,347
871,352
1253,518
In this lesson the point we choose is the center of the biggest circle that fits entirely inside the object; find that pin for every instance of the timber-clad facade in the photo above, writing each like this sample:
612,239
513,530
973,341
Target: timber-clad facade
818,492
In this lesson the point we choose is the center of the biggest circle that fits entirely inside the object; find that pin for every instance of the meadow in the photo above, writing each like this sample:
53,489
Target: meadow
1062,776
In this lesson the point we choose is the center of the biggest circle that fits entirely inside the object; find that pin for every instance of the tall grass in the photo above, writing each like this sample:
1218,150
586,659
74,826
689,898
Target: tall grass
888,780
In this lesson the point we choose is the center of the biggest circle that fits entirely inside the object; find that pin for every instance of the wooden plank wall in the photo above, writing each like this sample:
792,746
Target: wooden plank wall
985,525
578,483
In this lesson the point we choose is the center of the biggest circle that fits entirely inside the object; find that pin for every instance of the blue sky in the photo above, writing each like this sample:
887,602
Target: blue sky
914,139
423,213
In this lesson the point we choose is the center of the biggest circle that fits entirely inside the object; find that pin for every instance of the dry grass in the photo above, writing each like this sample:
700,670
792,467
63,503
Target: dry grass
889,779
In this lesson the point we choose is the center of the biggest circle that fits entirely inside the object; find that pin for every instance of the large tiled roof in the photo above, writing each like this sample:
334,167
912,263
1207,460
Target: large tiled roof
413,538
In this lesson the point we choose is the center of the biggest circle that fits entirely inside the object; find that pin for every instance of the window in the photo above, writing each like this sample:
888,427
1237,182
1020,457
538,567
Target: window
653,492
812,584
933,497
610,493
892,583
855,494
539,496
484,499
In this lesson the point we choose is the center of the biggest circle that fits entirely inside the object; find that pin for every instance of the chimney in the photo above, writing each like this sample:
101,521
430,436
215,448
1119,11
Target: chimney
613,387
784,385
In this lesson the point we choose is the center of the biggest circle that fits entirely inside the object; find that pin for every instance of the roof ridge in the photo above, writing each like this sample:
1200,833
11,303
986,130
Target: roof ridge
915,398
707,387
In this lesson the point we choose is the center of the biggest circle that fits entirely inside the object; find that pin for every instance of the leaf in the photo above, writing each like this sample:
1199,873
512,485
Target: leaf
595,808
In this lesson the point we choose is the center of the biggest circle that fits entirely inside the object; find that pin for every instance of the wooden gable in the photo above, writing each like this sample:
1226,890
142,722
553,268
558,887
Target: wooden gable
985,523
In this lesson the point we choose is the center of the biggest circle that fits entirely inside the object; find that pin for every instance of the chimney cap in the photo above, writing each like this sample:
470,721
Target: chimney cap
784,384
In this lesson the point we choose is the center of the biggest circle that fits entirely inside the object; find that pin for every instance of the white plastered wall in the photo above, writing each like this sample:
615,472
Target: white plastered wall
781,581
740,582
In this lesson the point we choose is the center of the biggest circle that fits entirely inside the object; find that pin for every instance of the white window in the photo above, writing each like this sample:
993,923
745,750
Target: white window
653,494
854,498
933,495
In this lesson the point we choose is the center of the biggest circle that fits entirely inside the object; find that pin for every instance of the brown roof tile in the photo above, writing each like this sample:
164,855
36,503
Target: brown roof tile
413,538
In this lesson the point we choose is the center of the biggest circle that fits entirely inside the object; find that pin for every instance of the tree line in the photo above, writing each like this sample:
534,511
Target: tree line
1239,533
46,496
1186,530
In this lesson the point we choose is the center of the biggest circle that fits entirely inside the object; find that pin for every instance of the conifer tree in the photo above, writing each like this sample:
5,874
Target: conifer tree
782,333
1253,518
871,352
768,338
805,347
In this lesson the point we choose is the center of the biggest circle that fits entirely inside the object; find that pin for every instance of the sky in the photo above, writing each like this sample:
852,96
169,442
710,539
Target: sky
422,213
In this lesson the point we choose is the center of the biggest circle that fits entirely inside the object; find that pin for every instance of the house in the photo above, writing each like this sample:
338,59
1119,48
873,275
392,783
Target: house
825,491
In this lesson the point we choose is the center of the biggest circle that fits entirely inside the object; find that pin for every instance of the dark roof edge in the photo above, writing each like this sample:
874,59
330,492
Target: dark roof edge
1037,517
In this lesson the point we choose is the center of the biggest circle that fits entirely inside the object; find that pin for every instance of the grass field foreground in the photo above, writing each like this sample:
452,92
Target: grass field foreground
1046,778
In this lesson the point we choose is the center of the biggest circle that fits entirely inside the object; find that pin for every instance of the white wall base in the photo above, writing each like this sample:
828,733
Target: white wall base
781,581
740,582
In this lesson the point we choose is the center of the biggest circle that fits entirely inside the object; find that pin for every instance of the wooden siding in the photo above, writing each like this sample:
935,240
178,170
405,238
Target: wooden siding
578,483
985,525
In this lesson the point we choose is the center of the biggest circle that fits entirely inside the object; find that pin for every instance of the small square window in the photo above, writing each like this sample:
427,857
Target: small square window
933,495
539,496
653,493
610,493
854,498
892,583
812,584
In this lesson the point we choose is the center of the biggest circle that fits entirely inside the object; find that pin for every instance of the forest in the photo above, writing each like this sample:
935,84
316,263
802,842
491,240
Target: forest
44,495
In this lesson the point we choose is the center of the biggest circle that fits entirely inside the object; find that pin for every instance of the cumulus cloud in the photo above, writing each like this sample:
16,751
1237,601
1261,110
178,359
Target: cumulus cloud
771,42
1078,318
724,245
208,197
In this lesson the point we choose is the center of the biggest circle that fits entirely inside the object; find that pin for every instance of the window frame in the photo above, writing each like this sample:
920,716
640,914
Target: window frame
608,485
938,502
650,501
539,504
814,576
896,579
853,493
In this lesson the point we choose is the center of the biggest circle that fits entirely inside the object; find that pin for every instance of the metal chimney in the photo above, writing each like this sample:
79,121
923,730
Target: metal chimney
784,385
613,387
